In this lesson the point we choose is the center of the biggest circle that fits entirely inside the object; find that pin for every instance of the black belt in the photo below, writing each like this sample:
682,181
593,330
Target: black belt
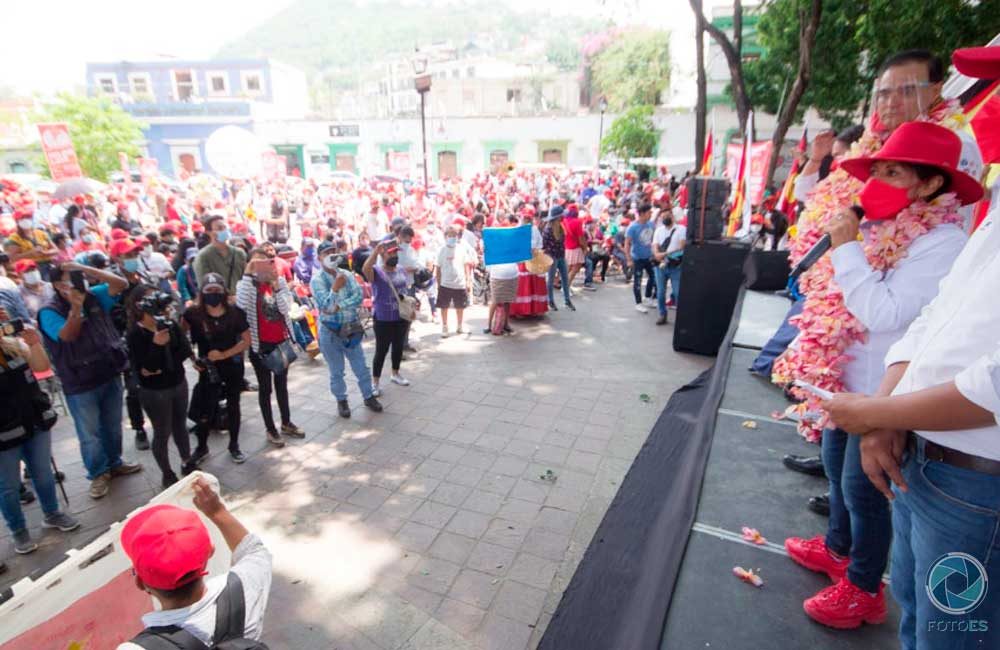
949,456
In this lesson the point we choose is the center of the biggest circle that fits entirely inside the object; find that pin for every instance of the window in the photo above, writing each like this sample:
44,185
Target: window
252,82
218,83
183,85
107,84
140,84
513,94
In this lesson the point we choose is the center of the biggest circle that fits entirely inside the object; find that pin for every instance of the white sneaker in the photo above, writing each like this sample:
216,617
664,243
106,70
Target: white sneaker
642,309
445,333
399,379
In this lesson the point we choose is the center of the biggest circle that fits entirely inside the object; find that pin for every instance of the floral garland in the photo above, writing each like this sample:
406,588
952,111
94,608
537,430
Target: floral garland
827,328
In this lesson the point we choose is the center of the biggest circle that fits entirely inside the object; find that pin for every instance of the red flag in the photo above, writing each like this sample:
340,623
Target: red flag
706,157
986,126
788,204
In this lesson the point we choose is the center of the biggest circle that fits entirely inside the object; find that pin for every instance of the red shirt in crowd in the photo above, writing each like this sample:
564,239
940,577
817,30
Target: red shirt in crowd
268,331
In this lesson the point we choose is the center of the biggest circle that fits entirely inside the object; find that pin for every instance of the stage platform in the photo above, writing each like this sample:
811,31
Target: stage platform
658,573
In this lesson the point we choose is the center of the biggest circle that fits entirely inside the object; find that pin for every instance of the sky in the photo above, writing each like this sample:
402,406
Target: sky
46,43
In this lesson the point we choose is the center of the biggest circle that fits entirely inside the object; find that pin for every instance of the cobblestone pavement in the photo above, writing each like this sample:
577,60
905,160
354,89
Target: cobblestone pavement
435,524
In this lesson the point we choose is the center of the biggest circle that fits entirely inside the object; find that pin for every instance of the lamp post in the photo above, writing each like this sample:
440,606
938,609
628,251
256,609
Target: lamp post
600,134
422,84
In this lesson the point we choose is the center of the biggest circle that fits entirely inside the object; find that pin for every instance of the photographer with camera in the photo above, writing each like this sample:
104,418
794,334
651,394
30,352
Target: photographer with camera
25,423
265,299
89,357
222,335
157,349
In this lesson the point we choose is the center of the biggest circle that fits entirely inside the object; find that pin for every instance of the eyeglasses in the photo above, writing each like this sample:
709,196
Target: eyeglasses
906,90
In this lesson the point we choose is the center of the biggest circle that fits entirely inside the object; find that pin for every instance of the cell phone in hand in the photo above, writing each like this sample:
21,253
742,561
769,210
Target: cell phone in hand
821,393
78,281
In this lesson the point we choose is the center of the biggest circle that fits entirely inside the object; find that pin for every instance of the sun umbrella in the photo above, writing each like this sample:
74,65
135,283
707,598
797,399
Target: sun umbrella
70,188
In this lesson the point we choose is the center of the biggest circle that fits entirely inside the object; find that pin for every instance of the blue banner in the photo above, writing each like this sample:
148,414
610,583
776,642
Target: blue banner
507,245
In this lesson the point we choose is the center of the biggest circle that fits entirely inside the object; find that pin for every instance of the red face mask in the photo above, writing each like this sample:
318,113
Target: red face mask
883,201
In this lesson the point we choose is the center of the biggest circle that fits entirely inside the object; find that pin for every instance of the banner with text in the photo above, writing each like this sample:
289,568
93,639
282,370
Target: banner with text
59,152
760,157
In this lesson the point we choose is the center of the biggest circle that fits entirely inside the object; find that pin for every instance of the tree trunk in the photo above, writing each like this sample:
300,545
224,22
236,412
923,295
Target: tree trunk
701,107
808,26
733,52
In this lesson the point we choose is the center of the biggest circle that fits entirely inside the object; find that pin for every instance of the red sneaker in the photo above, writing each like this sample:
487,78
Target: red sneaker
845,606
814,555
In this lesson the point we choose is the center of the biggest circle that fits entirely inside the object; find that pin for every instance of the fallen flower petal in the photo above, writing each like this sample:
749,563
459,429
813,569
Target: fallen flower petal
748,576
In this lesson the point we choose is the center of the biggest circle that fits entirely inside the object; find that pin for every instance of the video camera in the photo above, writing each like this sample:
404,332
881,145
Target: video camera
157,304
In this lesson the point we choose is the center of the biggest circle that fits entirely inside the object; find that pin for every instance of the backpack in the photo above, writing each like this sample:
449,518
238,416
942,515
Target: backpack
230,616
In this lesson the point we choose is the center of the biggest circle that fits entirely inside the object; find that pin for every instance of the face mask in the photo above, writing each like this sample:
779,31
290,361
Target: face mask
213,299
755,227
130,265
88,239
24,224
32,277
883,201
451,241
392,261
222,236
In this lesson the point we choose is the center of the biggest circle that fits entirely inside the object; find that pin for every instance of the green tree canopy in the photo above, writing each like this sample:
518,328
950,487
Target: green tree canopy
563,53
634,69
853,40
99,129
632,135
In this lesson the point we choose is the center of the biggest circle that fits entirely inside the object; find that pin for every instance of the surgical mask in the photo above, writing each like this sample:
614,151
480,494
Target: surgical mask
24,224
88,239
130,265
222,236
451,241
882,201
213,299
755,227
32,277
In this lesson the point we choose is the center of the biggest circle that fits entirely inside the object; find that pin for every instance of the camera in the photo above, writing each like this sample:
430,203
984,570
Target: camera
157,304
79,282
12,327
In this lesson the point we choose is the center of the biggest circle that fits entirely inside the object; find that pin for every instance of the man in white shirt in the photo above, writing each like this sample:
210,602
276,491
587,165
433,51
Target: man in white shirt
598,204
452,273
933,429
668,248
376,222
170,547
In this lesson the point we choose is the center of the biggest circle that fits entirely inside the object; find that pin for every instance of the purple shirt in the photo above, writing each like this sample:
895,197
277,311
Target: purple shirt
384,303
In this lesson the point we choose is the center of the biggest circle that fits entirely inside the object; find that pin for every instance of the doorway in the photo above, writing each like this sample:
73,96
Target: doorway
447,164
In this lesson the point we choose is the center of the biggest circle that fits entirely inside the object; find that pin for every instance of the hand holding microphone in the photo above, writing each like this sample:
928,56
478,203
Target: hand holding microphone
842,229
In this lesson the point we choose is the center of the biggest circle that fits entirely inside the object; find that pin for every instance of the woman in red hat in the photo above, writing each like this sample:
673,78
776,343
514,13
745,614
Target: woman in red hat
860,300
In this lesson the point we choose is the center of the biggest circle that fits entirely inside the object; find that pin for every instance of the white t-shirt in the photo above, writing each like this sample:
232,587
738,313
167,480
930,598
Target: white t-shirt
503,271
377,225
662,232
156,265
452,261
252,563
57,213
598,204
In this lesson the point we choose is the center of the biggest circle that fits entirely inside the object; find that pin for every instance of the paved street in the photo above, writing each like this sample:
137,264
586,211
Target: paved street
436,524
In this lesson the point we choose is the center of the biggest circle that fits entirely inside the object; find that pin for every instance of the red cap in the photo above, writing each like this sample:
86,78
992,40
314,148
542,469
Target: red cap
118,233
167,227
79,200
197,226
169,546
121,247
22,266
121,206
978,62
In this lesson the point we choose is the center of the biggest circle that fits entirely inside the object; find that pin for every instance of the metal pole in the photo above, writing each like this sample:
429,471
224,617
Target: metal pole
423,135
600,136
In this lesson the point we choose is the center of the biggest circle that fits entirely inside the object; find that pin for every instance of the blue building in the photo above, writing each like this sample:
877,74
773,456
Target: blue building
183,102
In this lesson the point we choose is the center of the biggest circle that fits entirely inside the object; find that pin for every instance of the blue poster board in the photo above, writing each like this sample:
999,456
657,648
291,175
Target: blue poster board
507,245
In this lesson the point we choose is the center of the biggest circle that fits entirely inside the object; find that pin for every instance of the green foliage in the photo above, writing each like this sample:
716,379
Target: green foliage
634,69
632,135
99,130
852,41
563,53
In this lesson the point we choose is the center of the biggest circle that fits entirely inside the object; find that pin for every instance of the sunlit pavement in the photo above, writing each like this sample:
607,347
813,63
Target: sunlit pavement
455,519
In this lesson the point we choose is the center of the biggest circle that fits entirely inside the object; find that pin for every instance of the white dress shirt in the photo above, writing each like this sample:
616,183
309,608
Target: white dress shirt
957,338
886,303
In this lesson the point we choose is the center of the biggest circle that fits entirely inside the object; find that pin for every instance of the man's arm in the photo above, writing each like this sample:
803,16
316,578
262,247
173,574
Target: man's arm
206,500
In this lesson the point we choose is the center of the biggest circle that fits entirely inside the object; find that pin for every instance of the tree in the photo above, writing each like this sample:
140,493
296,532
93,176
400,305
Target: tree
633,69
563,53
733,51
99,129
809,14
701,105
632,135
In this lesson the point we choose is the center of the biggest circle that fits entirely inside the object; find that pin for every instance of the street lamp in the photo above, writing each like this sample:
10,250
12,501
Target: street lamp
422,84
600,134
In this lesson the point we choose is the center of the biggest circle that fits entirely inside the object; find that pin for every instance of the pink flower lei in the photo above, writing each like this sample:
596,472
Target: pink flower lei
827,328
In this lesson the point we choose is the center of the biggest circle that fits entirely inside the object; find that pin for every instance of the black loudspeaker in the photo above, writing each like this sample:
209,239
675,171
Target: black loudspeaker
707,191
711,276
767,270
704,224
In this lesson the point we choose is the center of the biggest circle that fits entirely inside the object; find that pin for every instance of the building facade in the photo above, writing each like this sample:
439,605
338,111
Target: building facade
181,103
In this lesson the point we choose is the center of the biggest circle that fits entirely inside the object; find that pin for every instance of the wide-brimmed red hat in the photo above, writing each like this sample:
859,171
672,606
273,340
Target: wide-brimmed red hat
922,143
121,247
978,62
169,546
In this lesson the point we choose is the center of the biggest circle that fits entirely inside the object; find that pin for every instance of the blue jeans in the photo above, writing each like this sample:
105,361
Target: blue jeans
778,342
662,275
639,266
97,414
559,264
860,523
334,351
588,270
35,451
300,330
946,510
